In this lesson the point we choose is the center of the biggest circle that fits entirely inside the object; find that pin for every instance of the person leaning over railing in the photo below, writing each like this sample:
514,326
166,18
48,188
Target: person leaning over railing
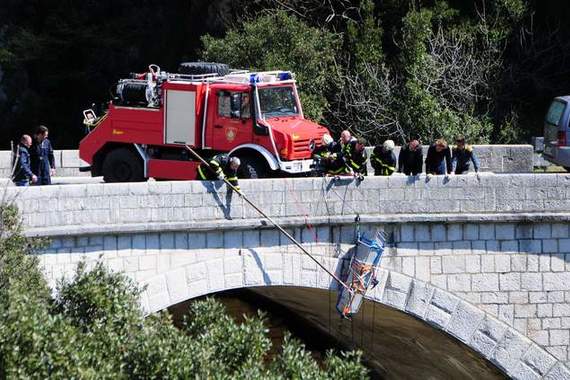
355,157
463,155
383,159
411,158
438,159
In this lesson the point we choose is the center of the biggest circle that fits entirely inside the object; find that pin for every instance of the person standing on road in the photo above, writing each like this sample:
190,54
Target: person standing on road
43,161
438,159
411,158
23,175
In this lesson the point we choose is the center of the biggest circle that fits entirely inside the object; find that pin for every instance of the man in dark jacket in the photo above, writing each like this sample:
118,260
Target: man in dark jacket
463,155
411,158
222,166
383,159
22,175
438,159
43,161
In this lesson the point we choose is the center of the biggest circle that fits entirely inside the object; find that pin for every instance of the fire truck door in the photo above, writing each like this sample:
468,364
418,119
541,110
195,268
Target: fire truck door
232,124
180,118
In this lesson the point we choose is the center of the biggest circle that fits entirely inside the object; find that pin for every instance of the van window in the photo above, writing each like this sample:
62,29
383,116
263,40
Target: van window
555,112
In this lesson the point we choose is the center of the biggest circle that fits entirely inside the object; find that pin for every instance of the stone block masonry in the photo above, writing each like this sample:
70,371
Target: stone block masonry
85,209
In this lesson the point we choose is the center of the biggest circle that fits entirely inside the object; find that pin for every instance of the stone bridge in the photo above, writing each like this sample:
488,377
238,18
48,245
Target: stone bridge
485,261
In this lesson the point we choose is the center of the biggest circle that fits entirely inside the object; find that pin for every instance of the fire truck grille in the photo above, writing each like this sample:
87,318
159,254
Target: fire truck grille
301,146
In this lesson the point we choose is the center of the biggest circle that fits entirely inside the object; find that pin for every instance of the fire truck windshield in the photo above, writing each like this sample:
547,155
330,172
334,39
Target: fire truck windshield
278,101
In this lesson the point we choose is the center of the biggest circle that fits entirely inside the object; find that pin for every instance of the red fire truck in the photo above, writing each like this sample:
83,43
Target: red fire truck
256,116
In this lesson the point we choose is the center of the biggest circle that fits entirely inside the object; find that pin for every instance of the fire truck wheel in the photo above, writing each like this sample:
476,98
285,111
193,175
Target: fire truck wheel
252,168
122,165
197,68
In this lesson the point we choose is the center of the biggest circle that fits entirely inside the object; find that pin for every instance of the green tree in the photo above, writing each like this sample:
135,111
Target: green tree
279,41
93,328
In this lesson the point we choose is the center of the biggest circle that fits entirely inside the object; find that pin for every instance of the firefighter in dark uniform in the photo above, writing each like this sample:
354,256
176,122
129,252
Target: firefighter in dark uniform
326,156
411,159
438,159
43,162
463,155
22,175
383,159
355,157
222,167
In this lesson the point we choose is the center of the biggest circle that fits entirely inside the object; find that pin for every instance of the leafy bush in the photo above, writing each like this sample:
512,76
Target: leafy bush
93,328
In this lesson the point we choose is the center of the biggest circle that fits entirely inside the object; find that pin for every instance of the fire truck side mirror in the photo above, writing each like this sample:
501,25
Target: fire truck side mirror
89,116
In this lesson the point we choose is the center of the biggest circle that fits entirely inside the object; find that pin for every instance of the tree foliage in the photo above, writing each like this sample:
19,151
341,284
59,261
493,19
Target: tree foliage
435,72
492,66
93,328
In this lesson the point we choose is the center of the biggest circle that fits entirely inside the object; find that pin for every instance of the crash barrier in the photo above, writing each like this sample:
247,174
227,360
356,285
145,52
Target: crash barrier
483,259
495,158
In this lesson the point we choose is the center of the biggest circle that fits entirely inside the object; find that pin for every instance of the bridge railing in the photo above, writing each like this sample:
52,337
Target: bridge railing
96,208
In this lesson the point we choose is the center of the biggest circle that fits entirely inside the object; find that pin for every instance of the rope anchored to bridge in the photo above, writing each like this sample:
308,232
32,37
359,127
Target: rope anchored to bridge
281,229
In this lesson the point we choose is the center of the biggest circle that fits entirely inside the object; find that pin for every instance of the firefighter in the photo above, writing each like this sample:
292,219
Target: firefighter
383,159
42,158
411,158
462,155
438,159
355,157
345,139
326,156
23,175
222,166
326,149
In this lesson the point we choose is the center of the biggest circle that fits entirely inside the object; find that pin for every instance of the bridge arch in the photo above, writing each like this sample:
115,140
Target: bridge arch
494,340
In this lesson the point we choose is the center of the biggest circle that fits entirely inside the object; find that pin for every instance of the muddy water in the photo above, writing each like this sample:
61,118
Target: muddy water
396,345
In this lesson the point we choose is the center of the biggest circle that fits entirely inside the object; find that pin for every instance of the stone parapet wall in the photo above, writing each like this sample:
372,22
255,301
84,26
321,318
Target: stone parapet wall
67,163
78,209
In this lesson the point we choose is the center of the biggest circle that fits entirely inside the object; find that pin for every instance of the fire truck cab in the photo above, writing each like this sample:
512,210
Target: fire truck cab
256,116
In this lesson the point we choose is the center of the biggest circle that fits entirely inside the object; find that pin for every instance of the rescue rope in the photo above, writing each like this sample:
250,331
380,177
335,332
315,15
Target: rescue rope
281,229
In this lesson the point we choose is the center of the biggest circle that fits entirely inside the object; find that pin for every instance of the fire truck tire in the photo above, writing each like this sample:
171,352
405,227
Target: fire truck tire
253,167
197,68
122,165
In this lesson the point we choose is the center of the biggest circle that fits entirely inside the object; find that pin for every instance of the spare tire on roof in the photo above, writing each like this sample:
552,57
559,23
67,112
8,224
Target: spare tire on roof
197,68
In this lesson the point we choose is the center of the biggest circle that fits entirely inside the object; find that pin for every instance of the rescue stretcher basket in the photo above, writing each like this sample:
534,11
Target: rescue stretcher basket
361,273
